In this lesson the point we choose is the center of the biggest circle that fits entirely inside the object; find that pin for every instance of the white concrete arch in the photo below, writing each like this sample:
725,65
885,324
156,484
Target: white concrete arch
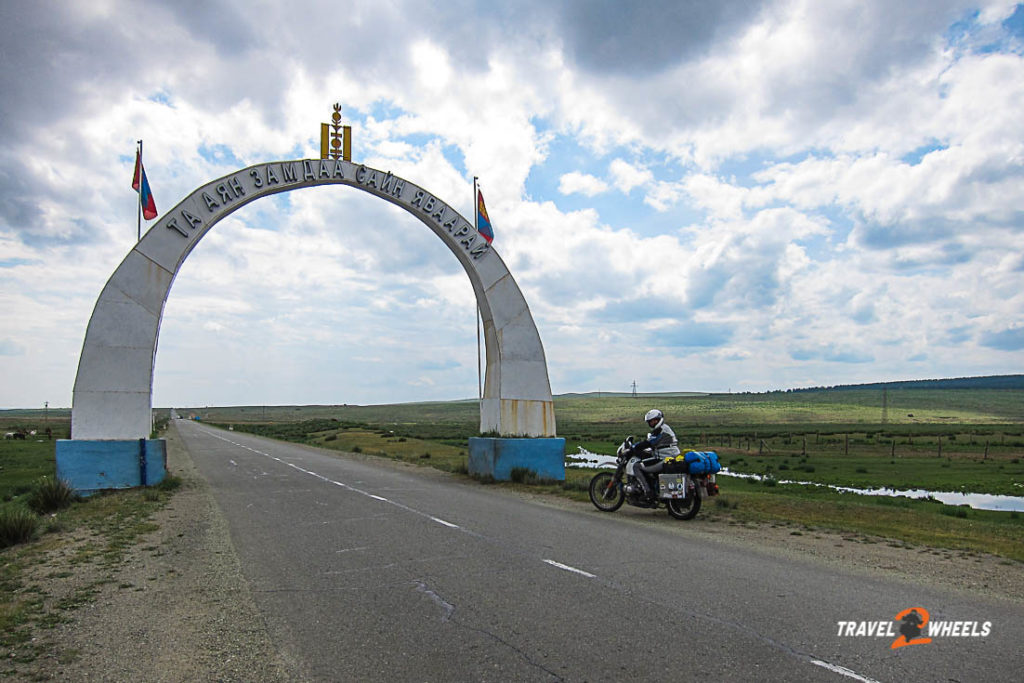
113,391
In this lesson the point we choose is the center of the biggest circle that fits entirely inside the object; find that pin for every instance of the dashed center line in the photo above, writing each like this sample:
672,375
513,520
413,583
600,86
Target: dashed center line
843,671
343,485
447,524
570,569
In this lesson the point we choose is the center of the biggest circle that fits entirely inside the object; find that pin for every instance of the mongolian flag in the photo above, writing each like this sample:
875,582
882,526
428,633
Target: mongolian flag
141,185
483,223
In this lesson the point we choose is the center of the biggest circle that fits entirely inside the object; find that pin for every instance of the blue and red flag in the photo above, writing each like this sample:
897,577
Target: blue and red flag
483,222
141,185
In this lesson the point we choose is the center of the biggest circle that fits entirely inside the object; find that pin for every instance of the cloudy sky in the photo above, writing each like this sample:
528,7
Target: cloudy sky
701,196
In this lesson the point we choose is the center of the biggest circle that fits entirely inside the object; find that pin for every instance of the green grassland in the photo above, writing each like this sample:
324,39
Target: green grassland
22,463
899,521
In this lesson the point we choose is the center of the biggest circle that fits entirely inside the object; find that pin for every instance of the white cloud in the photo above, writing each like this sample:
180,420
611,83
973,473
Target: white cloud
722,200
627,176
582,183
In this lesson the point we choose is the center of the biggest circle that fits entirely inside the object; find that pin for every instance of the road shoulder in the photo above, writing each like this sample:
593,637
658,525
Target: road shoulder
179,607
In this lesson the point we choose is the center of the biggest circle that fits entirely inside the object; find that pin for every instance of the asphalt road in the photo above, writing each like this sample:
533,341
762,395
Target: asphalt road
365,571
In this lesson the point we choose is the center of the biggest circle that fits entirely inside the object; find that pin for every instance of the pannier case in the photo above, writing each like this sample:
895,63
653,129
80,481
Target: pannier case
673,485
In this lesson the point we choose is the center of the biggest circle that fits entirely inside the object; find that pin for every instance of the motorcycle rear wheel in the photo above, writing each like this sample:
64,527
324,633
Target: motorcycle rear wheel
684,508
604,499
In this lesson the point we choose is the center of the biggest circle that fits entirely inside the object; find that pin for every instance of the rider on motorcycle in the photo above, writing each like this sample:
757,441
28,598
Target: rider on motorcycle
660,443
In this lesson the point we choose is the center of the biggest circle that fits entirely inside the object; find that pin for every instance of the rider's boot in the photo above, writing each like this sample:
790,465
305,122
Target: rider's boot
647,487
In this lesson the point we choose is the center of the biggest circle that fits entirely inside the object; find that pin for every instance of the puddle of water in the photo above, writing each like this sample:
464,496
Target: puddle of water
589,459
977,501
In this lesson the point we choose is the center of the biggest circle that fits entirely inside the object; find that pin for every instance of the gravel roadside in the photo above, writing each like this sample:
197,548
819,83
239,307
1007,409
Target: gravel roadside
180,609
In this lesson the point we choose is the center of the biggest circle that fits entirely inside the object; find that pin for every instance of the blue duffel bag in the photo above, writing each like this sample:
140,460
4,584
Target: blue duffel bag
702,462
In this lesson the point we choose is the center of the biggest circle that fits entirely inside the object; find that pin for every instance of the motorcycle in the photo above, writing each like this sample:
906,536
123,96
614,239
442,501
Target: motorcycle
681,486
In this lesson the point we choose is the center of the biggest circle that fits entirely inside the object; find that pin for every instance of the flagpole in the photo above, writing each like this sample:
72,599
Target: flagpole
479,374
138,169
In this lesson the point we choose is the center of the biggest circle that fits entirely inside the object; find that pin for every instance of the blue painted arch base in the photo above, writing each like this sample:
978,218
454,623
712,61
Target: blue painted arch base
96,465
497,457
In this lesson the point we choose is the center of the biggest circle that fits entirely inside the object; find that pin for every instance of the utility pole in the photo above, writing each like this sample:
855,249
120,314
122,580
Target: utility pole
634,388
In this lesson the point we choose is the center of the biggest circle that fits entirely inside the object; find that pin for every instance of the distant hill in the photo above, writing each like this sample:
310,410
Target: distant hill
629,394
988,382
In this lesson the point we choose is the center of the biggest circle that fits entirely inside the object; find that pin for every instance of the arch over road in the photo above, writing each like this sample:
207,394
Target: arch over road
113,393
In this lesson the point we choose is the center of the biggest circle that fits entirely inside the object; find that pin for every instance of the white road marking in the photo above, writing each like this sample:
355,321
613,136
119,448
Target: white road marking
570,569
337,483
842,670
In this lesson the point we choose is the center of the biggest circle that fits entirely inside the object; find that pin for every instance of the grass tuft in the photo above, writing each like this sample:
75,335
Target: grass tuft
576,485
522,475
170,483
726,503
17,525
50,494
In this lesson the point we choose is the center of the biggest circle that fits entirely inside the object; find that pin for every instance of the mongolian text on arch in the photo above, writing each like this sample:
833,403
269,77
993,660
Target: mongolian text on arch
249,184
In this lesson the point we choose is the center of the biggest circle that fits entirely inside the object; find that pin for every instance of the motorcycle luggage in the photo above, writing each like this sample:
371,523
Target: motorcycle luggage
702,462
673,486
674,466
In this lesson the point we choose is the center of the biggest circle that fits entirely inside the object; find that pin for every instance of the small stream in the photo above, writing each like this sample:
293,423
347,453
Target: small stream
977,501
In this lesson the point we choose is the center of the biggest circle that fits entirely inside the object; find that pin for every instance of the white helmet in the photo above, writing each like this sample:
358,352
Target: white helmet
654,414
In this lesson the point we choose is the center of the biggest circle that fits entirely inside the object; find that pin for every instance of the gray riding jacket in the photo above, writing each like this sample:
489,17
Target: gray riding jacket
663,442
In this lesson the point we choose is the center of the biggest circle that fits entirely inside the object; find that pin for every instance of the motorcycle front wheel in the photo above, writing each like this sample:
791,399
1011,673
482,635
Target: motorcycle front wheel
684,508
605,493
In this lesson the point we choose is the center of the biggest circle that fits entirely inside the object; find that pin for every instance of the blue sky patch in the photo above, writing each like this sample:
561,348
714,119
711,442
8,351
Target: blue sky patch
1010,339
1014,24
915,156
9,347
219,154
15,262
161,97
